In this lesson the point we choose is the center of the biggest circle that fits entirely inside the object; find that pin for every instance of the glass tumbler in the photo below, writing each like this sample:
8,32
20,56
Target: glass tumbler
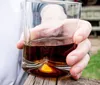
46,41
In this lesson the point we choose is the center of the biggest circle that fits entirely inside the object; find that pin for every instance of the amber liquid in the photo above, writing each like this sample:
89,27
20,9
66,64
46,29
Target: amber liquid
52,56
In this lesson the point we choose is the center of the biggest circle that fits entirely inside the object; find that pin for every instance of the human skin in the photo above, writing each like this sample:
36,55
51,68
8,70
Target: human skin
76,29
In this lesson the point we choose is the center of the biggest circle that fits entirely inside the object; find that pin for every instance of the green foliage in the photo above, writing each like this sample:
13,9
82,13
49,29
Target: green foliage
93,68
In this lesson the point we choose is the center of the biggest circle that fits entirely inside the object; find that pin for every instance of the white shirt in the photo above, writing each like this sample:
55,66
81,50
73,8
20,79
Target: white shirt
11,72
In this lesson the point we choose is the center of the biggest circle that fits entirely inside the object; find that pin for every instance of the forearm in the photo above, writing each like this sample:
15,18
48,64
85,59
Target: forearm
52,12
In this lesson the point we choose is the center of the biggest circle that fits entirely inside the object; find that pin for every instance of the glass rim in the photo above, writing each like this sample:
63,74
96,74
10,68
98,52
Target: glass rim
54,2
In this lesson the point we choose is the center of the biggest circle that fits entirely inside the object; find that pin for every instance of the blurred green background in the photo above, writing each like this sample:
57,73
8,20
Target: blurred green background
93,69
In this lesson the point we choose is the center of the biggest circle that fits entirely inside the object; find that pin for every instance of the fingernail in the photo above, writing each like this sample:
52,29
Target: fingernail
78,76
20,44
76,71
78,39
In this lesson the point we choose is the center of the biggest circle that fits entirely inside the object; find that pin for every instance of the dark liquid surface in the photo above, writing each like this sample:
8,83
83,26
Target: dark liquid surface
53,56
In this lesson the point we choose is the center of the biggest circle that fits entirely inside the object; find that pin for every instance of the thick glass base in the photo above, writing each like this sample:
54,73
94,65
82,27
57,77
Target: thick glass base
47,70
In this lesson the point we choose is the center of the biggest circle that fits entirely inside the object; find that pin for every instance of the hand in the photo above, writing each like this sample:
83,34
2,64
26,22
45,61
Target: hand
76,29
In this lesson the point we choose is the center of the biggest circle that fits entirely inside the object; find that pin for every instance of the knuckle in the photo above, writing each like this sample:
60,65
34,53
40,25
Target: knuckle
81,53
87,23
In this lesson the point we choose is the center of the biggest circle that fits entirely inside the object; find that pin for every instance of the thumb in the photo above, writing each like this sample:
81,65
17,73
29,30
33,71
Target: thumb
33,34
82,32
20,43
43,30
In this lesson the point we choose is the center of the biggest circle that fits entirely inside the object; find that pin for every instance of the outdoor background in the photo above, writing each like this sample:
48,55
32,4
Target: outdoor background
91,12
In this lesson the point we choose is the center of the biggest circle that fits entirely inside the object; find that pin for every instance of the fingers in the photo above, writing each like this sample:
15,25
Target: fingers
77,76
83,31
47,29
79,53
20,43
43,30
78,68
79,59
34,33
77,29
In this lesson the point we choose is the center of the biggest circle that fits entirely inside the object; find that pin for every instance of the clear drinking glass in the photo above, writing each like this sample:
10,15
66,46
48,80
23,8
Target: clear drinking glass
46,44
